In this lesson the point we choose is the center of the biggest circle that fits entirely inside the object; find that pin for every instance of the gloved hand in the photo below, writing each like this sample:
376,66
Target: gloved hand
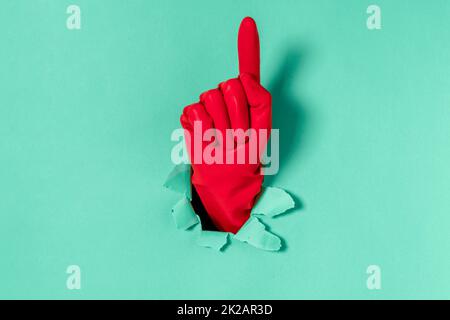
228,190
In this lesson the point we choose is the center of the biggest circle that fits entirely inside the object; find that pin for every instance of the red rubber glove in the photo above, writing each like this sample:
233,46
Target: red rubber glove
228,191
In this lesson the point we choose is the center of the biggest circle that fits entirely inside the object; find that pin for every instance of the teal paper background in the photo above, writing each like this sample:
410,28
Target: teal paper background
85,124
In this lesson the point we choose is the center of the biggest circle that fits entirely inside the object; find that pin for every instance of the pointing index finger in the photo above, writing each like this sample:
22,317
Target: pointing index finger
248,48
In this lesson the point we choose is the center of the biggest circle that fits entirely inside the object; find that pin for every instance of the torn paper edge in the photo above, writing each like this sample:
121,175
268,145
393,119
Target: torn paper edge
179,180
216,240
273,202
255,234
184,215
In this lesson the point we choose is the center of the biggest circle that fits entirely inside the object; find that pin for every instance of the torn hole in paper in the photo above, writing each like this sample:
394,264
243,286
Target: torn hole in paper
189,211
